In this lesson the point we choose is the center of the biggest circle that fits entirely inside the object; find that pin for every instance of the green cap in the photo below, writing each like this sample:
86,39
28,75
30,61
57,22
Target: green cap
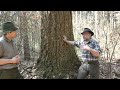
8,27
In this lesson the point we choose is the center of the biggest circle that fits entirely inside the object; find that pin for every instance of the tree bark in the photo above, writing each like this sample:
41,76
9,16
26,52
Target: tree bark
24,36
57,60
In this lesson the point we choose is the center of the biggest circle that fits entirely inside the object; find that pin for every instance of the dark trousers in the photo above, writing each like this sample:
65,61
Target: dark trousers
89,68
10,74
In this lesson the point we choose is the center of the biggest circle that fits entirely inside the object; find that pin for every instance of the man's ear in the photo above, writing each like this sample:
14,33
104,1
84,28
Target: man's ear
8,33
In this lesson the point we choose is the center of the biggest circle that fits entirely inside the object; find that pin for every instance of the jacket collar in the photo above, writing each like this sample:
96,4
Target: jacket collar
87,42
10,41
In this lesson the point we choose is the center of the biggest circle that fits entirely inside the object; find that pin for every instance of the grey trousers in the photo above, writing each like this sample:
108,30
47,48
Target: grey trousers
10,74
89,68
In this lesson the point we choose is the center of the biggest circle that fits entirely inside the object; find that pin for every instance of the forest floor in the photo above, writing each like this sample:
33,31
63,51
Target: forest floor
107,70
27,69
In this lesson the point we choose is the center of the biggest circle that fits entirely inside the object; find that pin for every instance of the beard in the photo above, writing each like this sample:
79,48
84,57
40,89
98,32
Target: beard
86,39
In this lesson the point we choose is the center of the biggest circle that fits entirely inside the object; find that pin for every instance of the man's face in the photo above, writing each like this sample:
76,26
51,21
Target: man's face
13,34
86,35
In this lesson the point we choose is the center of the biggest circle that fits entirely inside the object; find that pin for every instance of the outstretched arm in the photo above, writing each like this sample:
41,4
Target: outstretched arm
67,41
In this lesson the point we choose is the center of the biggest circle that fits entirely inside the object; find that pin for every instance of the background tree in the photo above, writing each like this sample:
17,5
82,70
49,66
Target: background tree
40,35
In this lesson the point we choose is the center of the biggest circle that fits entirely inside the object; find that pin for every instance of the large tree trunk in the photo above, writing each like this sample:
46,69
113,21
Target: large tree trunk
57,59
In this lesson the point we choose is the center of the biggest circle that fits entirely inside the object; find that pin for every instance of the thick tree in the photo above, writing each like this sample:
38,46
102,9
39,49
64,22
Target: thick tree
57,60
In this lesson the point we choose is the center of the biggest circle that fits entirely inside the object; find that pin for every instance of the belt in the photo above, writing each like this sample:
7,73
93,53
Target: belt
90,62
1,69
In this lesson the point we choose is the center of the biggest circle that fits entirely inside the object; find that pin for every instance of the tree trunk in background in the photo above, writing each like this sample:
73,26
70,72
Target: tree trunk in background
57,59
24,36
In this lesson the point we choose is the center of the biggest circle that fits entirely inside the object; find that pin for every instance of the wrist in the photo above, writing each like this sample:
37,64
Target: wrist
89,49
65,40
9,61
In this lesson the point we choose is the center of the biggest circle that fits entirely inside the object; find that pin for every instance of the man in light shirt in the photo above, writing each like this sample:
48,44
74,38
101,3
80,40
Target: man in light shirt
90,55
9,58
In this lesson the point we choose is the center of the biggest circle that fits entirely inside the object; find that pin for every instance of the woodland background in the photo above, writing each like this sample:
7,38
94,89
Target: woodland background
43,53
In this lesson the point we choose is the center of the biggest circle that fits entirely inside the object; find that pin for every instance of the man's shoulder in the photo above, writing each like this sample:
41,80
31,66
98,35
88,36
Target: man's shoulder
94,41
1,39
78,41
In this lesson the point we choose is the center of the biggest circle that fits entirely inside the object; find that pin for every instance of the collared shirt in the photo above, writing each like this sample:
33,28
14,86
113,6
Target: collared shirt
87,55
7,51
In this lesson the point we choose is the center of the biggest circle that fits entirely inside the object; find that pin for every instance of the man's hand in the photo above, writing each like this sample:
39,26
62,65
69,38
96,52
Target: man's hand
16,59
86,47
64,38
67,41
